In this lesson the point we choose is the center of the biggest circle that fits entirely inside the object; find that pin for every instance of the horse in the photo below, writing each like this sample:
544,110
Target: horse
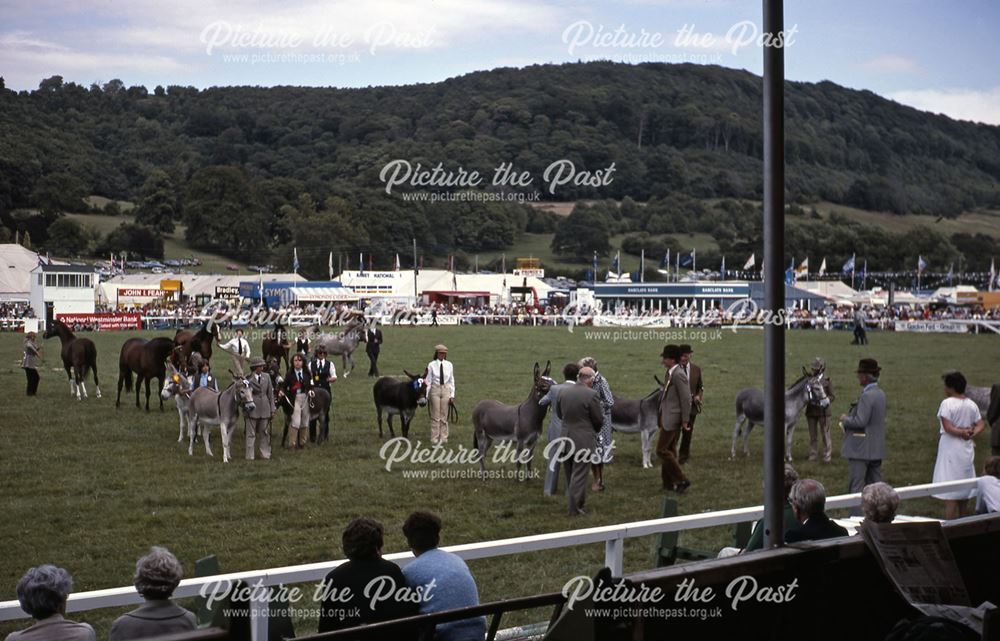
79,355
344,344
276,345
147,359
750,407
495,421
208,407
399,397
179,387
199,342
630,416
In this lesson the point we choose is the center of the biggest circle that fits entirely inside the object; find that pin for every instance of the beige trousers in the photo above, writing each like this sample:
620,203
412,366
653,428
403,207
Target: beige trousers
258,433
819,425
297,431
438,398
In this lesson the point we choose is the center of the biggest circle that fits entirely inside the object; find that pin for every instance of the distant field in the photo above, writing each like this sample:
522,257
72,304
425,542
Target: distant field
174,245
91,487
982,222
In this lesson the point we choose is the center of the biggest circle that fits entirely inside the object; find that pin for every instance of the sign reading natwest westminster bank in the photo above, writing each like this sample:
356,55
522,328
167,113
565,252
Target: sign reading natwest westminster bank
103,321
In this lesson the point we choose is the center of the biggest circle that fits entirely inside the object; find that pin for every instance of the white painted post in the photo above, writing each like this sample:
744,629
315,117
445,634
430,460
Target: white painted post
258,615
614,556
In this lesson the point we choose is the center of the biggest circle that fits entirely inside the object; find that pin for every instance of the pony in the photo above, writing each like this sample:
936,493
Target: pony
199,342
276,345
79,355
750,408
147,360
495,421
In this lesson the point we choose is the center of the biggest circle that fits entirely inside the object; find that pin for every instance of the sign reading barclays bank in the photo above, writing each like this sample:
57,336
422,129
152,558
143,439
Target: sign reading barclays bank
672,290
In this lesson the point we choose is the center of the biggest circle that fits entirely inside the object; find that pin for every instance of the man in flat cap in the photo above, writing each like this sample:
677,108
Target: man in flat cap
818,413
440,380
864,431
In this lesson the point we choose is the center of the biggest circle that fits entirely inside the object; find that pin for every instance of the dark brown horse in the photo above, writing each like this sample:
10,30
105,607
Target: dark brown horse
276,345
189,342
78,356
147,360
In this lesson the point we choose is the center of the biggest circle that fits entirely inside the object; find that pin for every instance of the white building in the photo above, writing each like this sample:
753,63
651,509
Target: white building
62,289
130,290
443,286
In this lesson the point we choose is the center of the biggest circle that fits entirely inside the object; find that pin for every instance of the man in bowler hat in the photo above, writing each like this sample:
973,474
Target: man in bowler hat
864,431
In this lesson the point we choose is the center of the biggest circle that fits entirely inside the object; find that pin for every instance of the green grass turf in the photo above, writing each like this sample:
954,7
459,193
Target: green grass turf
91,488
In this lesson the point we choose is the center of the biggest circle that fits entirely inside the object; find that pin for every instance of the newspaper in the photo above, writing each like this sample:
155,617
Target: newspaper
918,560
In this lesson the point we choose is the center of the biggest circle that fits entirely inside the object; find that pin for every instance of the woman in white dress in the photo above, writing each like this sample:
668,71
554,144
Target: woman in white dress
960,423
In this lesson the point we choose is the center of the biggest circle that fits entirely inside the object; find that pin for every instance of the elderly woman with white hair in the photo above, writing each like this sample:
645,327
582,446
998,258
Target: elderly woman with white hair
879,502
42,593
156,576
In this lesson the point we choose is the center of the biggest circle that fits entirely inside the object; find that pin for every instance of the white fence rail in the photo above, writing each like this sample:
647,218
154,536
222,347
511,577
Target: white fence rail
613,537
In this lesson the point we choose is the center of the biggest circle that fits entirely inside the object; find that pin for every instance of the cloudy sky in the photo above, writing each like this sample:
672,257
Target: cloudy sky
938,55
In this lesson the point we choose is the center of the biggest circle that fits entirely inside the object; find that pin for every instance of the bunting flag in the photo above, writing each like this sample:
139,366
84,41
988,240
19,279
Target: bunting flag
790,273
849,265
295,260
687,260
822,267
921,264
751,262
665,261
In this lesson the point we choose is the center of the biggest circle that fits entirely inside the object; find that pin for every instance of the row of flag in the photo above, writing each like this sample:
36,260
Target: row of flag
682,260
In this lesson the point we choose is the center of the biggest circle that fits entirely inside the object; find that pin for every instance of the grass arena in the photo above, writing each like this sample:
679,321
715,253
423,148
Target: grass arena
90,488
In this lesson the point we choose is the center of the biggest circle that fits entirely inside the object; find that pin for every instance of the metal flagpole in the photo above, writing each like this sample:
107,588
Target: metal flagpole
774,287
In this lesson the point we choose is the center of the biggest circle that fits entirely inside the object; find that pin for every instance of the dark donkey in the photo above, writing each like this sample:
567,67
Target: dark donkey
78,356
189,342
399,397
147,360
276,346
494,421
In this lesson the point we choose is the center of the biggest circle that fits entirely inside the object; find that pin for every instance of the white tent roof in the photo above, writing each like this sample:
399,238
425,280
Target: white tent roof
400,284
16,263
324,294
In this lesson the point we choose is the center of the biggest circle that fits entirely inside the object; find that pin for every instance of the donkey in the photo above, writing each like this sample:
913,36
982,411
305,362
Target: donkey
399,397
79,355
495,421
631,416
179,387
344,343
208,407
750,408
146,359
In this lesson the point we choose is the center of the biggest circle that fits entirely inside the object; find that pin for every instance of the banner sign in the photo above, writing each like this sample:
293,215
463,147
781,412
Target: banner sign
949,327
141,292
227,291
103,321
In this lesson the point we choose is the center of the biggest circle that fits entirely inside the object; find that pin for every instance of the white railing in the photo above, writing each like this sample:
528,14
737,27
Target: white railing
613,537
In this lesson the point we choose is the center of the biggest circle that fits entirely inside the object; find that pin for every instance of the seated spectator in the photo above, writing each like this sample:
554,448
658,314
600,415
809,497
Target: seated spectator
808,498
42,593
756,540
156,577
362,543
879,502
453,586
988,487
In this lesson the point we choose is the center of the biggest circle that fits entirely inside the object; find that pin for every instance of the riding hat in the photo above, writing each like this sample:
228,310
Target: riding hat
869,366
818,364
257,361
440,348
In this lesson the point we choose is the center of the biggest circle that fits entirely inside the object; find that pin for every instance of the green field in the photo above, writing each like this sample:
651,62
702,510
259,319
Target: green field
91,488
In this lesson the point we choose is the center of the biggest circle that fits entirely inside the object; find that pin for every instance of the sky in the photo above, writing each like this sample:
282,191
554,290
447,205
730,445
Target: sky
937,55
